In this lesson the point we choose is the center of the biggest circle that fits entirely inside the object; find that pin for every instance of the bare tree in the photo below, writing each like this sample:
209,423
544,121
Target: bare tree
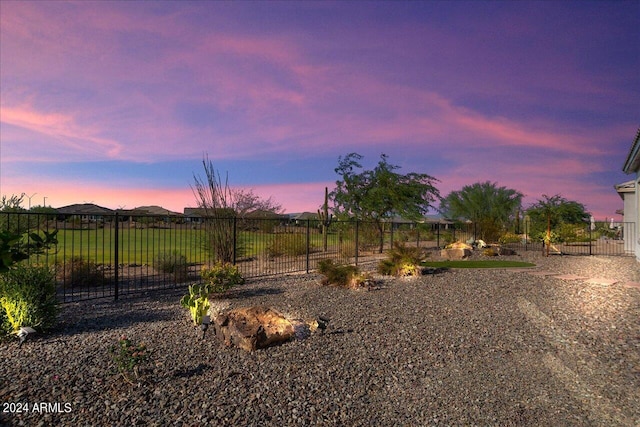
246,201
221,206
216,200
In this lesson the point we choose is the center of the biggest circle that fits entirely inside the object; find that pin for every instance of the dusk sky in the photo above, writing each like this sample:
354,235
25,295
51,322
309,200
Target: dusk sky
115,103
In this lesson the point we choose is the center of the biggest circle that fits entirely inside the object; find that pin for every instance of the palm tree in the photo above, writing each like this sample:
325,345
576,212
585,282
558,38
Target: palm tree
485,204
555,210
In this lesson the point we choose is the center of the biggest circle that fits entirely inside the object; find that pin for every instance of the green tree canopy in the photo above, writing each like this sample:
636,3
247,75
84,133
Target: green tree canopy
551,212
557,210
484,203
379,194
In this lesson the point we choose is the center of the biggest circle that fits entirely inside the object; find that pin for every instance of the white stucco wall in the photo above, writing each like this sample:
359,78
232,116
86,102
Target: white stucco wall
635,208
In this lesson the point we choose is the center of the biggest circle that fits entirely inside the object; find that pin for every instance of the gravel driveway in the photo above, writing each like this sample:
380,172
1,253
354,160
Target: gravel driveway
461,347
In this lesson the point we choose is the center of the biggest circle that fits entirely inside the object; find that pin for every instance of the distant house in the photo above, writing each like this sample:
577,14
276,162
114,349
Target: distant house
299,217
630,193
197,215
158,213
84,212
262,214
434,221
194,214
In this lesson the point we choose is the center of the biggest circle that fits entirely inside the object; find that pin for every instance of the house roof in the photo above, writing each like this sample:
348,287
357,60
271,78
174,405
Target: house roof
632,164
625,187
261,214
155,210
202,212
84,209
302,216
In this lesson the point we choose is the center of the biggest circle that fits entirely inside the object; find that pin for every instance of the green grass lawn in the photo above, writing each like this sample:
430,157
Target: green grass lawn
478,264
141,246
135,246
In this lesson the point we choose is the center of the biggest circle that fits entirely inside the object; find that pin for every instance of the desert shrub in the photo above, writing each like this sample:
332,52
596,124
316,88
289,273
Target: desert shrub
346,276
490,252
569,233
171,263
509,238
402,235
5,326
447,237
420,234
80,272
287,244
402,260
221,277
28,298
368,237
348,248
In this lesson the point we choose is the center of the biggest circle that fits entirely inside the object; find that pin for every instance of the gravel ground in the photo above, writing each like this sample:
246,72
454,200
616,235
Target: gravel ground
461,347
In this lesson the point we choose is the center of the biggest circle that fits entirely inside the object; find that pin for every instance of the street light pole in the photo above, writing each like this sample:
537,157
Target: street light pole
29,197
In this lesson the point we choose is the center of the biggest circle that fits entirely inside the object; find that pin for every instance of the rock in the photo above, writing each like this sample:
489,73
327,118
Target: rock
454,253
459,245
252,328
506,251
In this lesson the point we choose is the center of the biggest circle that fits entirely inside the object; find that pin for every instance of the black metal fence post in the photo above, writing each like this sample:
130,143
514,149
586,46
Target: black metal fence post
308,250
116,269
590,240
235,239
356,242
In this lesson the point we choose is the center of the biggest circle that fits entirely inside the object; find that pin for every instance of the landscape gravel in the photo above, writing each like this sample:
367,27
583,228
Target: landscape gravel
459,347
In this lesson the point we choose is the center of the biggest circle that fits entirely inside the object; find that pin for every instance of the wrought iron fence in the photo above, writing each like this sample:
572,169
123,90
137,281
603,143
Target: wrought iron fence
112,255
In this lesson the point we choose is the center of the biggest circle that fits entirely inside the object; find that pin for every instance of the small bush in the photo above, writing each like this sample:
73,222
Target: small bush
509,238
568,233
287,244
80,272
348,249
447,238
221,277
368,237
402,260
346,276
490,252
28,298
127,356
172,263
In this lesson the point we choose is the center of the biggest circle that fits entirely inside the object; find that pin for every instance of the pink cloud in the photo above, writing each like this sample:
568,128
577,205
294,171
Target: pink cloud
61,129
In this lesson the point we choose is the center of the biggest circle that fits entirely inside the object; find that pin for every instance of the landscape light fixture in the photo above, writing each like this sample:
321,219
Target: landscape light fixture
206,320
323,323
23,332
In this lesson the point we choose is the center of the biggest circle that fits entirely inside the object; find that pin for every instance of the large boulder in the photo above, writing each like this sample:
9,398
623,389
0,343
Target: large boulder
455,253
506,251
456,250
252,328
